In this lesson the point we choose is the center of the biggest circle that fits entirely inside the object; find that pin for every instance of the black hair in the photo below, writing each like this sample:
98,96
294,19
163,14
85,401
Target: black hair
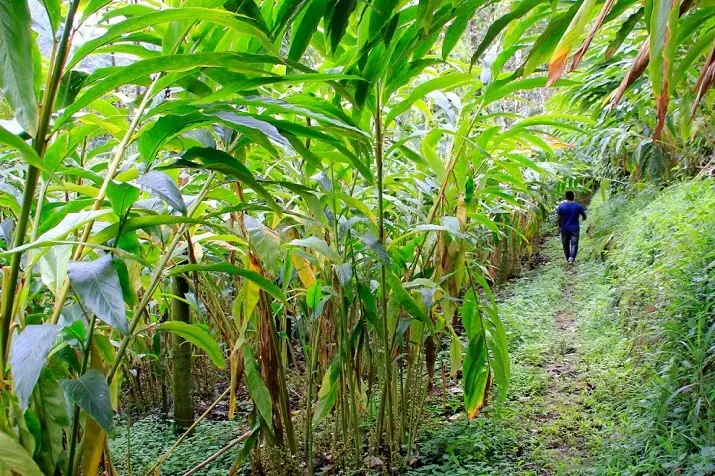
569,195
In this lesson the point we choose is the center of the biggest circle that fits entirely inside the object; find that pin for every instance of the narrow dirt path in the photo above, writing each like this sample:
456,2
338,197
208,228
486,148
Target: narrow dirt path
567,356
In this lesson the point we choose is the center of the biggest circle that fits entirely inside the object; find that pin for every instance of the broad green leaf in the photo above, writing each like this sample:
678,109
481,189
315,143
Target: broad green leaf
220,161
265,241
14,458
17,67
164,187
407,301
52,411
307,24
237,62
497,344
327,393
471,316
256,387
238,23
521,9
476,375
27,357
91,393
260,281
27,152
442,83
319,245
314,295
97,284
122,196
199,337
53,266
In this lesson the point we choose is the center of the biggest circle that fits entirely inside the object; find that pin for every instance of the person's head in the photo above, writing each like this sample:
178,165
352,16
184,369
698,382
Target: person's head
569,196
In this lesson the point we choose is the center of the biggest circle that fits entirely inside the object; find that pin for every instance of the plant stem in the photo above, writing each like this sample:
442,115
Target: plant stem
75,417
38,143
160,266
387,390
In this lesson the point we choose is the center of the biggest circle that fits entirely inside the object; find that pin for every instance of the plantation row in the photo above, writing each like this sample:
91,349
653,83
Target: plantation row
314,196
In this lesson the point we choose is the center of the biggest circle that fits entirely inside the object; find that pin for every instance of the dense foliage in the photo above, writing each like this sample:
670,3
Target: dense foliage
660,250
317,195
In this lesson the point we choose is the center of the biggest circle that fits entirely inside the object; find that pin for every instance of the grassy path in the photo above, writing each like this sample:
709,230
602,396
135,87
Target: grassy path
569,380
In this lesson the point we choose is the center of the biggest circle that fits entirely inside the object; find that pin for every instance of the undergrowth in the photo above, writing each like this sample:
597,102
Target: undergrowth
149,438
661,257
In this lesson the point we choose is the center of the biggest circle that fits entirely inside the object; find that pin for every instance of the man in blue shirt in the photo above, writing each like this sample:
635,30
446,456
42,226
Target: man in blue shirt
569,213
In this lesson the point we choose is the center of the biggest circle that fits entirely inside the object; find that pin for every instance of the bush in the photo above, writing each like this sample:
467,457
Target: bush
660,246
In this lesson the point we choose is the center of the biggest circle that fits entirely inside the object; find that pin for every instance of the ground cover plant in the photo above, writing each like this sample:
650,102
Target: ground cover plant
291,215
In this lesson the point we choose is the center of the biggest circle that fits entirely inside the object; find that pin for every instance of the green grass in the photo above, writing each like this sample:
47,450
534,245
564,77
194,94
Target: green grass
150,437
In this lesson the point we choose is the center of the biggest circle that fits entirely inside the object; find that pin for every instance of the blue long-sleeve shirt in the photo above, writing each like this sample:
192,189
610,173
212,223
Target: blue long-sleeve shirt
569,213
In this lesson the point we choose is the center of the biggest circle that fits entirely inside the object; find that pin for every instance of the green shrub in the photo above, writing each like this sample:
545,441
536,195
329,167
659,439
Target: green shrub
661,254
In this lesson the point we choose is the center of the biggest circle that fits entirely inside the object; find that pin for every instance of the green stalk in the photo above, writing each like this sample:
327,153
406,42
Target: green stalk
39,143
75,417
154,282
387,390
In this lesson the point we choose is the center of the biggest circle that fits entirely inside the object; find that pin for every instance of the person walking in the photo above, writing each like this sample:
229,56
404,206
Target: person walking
569,213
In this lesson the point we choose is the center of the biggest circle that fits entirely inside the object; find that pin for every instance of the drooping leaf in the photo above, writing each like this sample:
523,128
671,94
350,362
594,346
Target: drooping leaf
337,23
522,8
663,44
261,281
161,185
327,393
407,301
640,63
568,40
220,161
121,196
91,393
94,446
52,412
27,152
319,245
199,337
594,29
15,458
256,387
266,242
27,357
53,266
476,375
456,29
306,27
17,67
97,284
705,80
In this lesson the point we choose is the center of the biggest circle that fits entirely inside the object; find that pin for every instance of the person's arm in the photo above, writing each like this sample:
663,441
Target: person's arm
558,216
583,212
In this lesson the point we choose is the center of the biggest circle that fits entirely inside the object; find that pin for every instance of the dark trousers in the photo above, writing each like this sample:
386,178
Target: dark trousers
570,241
